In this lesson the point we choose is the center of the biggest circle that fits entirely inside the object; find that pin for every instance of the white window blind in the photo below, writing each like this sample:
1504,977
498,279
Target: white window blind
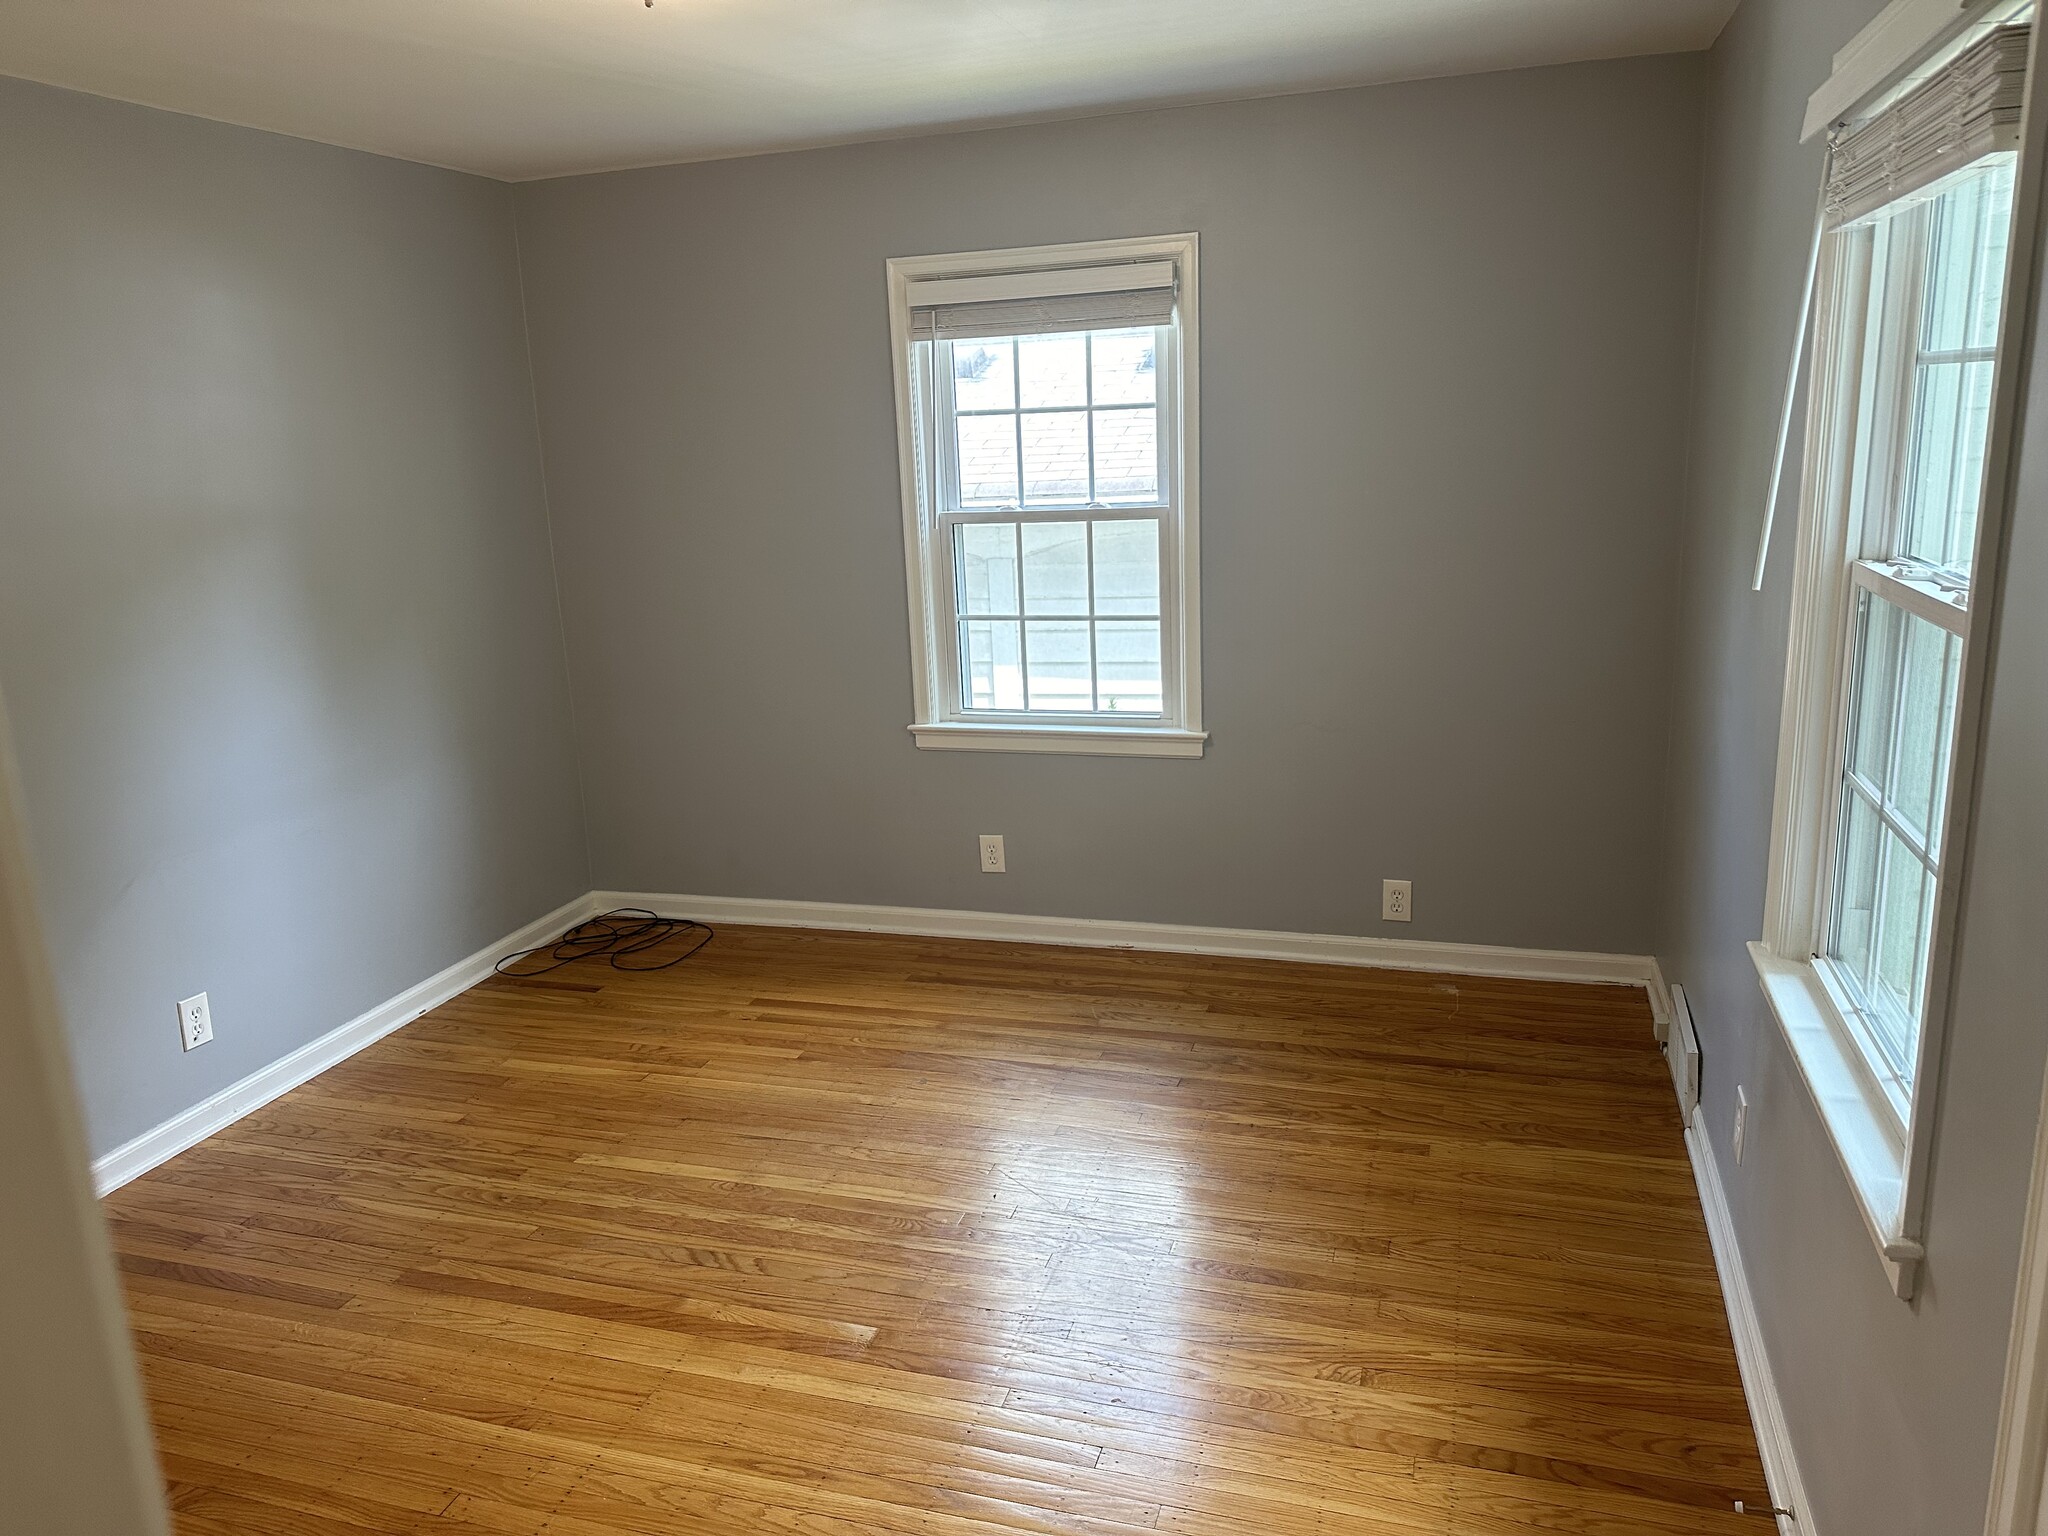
1121,296
1961,112
1968,110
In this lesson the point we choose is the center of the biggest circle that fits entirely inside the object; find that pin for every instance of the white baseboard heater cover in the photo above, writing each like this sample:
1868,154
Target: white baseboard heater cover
1682,1047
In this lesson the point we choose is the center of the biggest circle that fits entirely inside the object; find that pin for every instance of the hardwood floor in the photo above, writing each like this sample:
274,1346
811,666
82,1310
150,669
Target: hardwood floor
839,1234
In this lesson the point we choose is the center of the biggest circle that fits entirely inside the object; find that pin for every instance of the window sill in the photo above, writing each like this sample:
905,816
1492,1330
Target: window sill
1859,1120
1096,740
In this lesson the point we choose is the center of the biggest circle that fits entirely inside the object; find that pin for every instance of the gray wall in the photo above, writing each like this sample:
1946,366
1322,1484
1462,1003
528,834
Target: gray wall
1446,337
278,623
75,1452
1892,1408
277,618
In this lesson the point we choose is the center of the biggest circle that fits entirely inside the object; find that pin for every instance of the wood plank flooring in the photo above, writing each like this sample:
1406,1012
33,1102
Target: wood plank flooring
831,1234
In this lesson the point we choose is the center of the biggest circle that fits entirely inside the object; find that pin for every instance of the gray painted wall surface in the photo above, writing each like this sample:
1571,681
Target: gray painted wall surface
1446,336
277,618
1893,1408
279,630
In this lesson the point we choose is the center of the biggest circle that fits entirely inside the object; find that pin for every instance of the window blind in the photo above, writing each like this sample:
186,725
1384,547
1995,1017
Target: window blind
1105,298
1962,111
1969,109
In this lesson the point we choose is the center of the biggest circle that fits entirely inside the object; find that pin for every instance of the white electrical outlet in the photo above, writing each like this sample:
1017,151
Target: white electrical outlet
991,853
195,1022
1741,1120
1396,904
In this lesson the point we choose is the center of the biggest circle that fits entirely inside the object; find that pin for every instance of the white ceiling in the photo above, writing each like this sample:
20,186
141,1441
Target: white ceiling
527,88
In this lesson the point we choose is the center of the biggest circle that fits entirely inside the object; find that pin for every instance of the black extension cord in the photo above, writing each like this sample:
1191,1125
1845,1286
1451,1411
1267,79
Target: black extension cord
617,935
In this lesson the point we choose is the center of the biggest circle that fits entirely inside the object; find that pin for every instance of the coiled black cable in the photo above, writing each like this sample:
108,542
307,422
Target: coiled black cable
617,935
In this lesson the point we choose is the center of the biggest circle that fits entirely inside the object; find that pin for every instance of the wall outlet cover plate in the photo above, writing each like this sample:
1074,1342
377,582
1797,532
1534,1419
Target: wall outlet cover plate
195,1021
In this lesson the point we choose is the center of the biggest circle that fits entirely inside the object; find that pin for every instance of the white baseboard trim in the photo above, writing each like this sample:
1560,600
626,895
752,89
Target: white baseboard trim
1106,933
166,1141
1660,1000
1759,1385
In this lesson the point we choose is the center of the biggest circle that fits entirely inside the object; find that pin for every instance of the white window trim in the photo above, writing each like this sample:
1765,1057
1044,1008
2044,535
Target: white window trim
1179,733
1884,1145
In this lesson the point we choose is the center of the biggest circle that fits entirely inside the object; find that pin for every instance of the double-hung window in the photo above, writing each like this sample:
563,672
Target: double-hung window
1900,435
1046,406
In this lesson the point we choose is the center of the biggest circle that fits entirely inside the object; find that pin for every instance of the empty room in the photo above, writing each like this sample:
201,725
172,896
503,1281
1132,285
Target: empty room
1023,768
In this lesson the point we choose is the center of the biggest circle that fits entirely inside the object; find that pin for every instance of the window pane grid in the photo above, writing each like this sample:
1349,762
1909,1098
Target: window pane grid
1059,617
1077,427
1894,772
